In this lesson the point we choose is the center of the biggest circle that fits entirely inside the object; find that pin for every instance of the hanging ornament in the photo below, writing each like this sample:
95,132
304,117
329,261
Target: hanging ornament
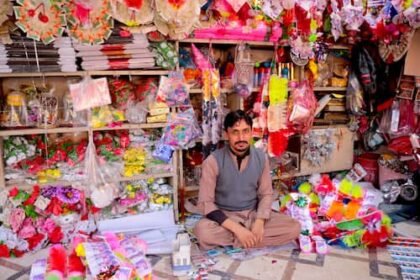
40,19
177,18
394,51
301,51
133,14
89,21
272,9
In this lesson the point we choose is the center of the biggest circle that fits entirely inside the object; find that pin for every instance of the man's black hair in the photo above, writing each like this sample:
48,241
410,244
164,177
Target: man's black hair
234,117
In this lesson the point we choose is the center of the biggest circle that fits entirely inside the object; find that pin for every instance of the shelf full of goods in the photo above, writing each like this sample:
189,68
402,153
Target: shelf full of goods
101,143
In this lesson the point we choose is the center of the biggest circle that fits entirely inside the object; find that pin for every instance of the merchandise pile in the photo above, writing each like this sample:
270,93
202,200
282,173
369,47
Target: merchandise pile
117,53
337,212
26,55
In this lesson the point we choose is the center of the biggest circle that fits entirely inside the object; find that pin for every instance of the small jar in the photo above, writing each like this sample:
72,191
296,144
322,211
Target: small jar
49,109
16,111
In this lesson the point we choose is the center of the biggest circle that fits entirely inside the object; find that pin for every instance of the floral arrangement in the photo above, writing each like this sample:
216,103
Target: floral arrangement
36,218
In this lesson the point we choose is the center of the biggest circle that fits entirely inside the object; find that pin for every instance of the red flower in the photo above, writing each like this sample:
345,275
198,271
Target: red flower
34,240
13,192
54,207
56,235
4,251
17,253
31,200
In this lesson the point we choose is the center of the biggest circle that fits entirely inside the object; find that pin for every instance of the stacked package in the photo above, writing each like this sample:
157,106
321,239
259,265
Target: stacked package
27,55
117,53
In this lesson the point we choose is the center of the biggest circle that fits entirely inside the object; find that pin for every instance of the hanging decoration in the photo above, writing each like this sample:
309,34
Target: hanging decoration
41,20
177,18
318,146
132,13
89,22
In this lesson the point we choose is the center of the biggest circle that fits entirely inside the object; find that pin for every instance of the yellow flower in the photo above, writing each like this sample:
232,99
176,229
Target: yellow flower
80,250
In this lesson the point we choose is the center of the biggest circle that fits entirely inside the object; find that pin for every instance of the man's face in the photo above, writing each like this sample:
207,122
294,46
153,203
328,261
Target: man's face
239,136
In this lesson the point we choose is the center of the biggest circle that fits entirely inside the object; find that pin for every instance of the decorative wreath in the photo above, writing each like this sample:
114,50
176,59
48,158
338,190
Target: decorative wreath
89,21
132,12
40,19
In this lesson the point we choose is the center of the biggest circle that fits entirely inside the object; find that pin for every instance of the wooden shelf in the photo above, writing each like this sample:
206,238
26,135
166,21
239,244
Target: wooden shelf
226,42
223,90
145,72
191,188
41,74
128,126
147,176
330,88
31,131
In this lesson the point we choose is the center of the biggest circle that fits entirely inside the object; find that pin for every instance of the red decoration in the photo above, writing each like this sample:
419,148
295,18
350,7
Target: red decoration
134,4
34,195
13,192
176,3
34,240
56,235
4,251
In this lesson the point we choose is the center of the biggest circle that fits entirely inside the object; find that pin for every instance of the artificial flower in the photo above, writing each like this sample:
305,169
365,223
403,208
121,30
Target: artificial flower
13,192
4,251
16,218
49,225
34,195
34,240
27,229
55,207
56,235
68,195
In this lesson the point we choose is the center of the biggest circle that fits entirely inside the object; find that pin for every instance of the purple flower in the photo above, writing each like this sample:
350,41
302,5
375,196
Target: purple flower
49,191
68,195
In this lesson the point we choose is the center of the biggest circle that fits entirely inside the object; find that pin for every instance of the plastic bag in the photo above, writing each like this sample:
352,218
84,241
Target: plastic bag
122,92
70,116
136,112
90,93
101,179
182,129
355,102
243,76
304,103
173,90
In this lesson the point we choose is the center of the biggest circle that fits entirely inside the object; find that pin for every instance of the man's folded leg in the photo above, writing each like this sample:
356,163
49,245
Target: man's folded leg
280,229
210,234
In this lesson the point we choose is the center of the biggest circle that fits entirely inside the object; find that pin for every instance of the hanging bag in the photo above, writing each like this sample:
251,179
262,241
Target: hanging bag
244,70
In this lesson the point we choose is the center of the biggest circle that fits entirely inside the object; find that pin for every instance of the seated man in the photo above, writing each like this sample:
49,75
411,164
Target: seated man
236,194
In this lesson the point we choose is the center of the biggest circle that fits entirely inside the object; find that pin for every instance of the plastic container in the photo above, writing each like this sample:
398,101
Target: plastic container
369,161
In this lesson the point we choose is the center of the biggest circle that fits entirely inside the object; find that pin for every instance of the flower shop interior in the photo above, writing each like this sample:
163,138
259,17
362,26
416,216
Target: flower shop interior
111,110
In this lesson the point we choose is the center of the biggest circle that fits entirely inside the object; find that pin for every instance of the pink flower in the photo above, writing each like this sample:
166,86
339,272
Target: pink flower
49,225
27,229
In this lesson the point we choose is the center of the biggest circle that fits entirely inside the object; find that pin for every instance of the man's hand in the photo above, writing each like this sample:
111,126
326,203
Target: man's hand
258,230
246,237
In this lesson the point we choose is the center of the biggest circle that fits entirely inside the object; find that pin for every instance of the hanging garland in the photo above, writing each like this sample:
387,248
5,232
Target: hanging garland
89,22
40,20
133,14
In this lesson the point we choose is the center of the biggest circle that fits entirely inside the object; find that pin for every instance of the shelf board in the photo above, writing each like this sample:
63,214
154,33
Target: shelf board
191,188
330,88
226,42
145,72
127,126
147,176
30,131
223,90
41,74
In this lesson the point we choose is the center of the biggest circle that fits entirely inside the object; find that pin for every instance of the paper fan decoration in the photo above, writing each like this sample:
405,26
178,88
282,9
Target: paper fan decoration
40,19
177,18
395,50
132,13
6,8
89,21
